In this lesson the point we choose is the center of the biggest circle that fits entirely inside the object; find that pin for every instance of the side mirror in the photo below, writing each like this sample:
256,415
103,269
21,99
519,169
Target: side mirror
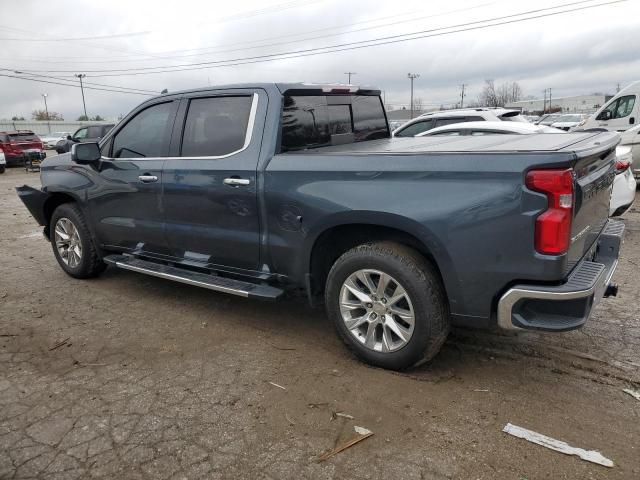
605,115
69,137
84,153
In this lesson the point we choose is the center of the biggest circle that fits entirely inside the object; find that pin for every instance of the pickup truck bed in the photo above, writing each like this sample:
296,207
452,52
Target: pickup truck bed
312,195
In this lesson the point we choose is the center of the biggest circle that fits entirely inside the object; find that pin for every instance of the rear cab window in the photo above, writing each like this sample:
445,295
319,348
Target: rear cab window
311,121
23,137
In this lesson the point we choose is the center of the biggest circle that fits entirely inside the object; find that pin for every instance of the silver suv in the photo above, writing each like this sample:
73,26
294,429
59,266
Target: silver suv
430,120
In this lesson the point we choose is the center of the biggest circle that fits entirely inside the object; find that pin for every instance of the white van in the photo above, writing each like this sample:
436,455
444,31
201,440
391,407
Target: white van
620,113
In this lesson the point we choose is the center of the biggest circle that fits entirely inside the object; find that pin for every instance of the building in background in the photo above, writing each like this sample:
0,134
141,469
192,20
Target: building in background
577,104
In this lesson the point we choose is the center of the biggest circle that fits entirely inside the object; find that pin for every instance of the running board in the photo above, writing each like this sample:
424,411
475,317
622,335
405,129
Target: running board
212,282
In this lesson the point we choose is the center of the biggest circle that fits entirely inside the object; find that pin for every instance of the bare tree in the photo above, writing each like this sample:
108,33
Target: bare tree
492,96
42,115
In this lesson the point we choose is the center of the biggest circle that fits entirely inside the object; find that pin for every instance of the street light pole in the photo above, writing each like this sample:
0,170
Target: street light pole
412,76
348,74
46,109
84,105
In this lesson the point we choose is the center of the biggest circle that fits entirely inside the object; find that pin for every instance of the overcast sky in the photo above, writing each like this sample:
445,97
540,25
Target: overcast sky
585,51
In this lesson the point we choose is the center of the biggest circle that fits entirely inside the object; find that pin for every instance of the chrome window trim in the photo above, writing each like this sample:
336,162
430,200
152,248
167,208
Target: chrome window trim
247,138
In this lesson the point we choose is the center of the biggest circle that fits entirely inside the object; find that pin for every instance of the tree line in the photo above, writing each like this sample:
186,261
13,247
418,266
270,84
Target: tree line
44,116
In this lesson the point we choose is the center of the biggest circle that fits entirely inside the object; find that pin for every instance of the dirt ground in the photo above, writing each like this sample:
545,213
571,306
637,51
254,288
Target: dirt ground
128,376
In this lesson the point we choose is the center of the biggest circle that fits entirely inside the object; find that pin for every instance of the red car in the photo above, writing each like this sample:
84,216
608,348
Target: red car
20,145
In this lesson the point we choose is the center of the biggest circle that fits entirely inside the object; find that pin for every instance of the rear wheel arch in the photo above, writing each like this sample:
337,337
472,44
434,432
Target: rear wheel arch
338,239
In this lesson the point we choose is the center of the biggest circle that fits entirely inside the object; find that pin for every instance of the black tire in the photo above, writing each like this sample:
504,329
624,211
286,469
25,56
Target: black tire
423,286
2,169
90,264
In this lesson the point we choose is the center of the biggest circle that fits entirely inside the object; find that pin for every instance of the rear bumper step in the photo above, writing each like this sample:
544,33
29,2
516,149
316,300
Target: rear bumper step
569,305
211,282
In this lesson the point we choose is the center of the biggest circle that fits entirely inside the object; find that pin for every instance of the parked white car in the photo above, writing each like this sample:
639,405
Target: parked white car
568,121
488,128
624,185
3,162
631,138
52,138
430,120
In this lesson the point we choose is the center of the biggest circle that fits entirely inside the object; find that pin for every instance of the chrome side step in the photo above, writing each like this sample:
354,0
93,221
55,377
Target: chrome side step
212,282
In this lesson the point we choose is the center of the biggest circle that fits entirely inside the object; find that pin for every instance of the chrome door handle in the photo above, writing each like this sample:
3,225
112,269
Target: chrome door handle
148,178
236,181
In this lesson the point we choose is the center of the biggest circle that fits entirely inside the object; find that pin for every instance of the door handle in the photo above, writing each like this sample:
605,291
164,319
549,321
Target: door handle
148,178
235,181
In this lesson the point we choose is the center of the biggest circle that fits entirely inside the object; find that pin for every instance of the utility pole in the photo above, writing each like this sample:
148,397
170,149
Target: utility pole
618,88
412,76
462,94
46,109
348,74
544,102
550,107
84,105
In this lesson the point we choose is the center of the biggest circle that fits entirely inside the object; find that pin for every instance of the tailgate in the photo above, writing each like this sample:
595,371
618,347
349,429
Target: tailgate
595,172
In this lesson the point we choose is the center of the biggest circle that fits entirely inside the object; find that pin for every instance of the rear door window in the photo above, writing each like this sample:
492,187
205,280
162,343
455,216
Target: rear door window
416,128
449,121
94,132
216,126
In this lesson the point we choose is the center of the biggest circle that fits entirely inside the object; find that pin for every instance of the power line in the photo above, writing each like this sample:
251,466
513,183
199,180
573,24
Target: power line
464,27
68,84
216,49
18,72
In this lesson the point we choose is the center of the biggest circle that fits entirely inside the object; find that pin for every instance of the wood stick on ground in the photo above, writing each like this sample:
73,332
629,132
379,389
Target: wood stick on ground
59,344
363,433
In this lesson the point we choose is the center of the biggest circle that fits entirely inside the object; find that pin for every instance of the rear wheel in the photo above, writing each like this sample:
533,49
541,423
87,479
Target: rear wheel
72,243
2,167
388,305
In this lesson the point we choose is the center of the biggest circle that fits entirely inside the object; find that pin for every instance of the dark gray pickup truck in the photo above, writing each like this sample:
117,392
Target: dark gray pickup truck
257,190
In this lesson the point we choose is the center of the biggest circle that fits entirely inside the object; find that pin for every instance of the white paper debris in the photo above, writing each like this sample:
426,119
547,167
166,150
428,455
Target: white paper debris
557,445
276,385
634,393
344,415
362,430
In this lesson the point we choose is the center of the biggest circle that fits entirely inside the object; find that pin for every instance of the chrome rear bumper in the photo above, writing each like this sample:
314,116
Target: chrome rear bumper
566,306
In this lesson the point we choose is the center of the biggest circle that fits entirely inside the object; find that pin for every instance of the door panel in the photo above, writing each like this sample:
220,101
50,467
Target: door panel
209,193
127,211
126,208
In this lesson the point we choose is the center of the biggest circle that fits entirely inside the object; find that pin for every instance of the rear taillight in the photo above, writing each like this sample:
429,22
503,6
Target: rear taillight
622,166
553,226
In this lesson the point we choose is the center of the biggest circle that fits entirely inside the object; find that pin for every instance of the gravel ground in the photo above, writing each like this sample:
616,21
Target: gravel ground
128,376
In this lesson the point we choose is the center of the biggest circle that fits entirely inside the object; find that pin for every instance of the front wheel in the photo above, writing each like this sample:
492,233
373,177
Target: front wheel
2,167
388,305
72,244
